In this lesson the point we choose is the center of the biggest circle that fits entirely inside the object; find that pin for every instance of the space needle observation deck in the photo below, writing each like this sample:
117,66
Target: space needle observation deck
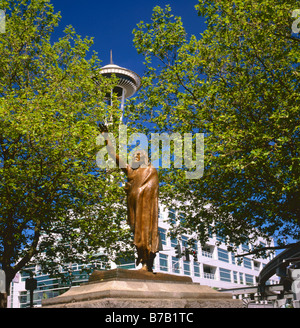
128,82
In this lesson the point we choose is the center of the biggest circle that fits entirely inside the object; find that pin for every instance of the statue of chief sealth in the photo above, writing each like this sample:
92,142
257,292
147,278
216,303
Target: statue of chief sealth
142,202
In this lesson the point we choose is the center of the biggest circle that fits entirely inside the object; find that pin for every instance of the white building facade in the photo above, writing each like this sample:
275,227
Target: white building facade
211,265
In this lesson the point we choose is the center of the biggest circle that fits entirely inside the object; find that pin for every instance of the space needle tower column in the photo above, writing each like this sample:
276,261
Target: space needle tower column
128,82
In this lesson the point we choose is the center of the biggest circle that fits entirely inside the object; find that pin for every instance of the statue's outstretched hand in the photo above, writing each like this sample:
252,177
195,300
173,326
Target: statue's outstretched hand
102,127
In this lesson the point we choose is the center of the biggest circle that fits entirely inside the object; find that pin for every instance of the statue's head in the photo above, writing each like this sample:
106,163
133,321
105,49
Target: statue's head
139,159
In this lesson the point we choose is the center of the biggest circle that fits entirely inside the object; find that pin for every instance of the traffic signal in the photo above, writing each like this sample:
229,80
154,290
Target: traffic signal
186,254
178,251
195,256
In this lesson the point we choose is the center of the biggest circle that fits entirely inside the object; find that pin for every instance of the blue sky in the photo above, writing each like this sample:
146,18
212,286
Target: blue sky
111,24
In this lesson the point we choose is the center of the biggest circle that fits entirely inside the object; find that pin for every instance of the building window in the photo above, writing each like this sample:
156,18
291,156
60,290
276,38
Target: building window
223,255
235,278
163,236
225,275
184,241
186,268
196,269
247,263
172,216
232,258
175,265
245,247
249,279
174,242
163,262
241,278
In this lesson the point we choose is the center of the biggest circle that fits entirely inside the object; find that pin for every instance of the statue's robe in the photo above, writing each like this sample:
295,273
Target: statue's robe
142,207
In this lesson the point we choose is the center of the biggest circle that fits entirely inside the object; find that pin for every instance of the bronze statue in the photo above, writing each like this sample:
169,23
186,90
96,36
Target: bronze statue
142,202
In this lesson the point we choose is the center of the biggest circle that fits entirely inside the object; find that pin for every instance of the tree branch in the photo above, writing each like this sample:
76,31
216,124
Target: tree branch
288,37
32,249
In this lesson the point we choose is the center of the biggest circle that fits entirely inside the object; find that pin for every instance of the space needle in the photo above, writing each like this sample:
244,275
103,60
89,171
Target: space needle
128,82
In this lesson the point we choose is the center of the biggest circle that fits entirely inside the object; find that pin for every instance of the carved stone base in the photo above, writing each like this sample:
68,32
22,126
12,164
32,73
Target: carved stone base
121,274
140,289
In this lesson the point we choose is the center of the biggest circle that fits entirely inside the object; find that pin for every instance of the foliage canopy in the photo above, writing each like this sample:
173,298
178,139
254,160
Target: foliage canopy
237,82
57,206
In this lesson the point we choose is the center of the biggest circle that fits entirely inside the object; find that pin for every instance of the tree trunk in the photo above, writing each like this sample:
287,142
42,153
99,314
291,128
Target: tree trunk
3,300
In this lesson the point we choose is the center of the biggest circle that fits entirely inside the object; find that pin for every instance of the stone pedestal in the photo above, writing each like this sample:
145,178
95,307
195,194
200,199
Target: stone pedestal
121,288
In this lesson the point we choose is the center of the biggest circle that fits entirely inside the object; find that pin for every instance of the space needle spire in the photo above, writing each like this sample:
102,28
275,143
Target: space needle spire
111,58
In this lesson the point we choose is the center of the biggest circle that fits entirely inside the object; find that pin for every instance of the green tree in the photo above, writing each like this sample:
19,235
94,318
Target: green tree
56,205
237,82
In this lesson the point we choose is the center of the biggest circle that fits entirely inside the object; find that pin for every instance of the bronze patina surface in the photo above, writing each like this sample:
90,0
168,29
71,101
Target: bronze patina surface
142,202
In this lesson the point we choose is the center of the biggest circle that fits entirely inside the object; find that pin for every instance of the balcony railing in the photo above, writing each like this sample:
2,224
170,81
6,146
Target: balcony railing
208,275
207,254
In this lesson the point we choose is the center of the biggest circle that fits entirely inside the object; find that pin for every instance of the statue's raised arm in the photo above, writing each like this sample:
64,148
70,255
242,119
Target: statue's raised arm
110,148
